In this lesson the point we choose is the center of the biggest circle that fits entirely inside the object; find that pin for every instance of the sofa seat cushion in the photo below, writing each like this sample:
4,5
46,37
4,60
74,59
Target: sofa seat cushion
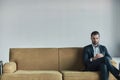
32,75
83,75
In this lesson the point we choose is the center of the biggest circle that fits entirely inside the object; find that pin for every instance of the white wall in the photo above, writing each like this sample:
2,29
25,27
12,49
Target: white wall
116,24
55,23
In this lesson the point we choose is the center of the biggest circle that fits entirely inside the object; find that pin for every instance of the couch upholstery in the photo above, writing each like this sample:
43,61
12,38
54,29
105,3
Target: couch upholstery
47,64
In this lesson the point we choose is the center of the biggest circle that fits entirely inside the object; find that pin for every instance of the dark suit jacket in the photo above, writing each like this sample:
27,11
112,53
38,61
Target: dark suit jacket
88,53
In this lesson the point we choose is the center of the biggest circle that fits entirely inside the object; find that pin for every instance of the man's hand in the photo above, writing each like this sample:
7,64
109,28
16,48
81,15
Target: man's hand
99,55
94,58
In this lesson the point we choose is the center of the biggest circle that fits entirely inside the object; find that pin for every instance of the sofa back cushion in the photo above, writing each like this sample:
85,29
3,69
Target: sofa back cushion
71,58
35,58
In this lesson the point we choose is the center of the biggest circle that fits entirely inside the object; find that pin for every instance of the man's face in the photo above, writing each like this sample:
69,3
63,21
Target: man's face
95,39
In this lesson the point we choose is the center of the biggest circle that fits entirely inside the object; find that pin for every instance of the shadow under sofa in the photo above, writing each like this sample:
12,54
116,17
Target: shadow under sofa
47,64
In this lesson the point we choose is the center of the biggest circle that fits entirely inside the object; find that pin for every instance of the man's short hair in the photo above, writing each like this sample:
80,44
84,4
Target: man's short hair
95,33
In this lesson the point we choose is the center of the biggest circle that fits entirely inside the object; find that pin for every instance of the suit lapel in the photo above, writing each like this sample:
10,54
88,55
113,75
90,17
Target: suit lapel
100,49
92,51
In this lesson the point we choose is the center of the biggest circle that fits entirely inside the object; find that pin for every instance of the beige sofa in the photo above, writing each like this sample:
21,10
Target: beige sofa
47,64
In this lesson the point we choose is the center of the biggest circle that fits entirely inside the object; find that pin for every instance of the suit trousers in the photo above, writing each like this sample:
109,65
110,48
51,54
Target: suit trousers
104,66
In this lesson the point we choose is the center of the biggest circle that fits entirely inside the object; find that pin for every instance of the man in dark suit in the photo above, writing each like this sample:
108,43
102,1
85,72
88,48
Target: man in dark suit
97,58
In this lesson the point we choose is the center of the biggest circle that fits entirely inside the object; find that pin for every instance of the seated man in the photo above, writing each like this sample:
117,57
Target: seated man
97,58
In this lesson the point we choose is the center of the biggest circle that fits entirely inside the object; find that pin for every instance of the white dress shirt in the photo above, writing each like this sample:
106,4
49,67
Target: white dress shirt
96,50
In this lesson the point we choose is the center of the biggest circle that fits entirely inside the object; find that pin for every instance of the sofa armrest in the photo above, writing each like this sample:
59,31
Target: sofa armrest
114,63
9,67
